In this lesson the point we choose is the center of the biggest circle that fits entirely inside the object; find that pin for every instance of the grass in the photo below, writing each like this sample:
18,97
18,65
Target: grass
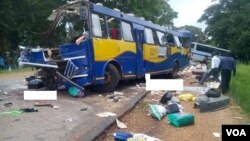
16,70
239,87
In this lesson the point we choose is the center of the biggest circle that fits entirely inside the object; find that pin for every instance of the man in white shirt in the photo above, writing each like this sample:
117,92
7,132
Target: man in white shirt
215,62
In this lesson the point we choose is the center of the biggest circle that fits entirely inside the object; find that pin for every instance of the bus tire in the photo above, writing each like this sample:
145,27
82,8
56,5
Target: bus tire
173,74
111,77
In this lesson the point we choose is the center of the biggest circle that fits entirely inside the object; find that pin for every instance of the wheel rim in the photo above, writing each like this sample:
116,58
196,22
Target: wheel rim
107,77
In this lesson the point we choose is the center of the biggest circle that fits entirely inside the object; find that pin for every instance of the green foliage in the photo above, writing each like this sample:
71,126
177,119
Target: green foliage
24,22
228,24
198,35
239,87
157,11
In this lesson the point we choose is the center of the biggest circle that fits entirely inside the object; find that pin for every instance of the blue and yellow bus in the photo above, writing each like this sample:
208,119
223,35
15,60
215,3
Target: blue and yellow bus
117,46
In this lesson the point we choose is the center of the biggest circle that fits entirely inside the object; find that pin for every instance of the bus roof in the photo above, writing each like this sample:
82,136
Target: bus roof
125,17
211,46
180,33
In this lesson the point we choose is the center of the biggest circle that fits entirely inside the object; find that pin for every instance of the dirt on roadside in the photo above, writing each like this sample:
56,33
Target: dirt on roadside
138,120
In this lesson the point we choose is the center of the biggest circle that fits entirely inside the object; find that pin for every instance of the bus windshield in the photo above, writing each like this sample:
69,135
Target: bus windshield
68,22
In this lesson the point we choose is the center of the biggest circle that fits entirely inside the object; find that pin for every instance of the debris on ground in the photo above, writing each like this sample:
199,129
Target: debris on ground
166,97
238,117
55,107
43,104
106,114
180,119
143,136
121,136
141,85
216,134
4,92
8,104
120,124
157,111
116,96
75,92
118,93
207,104
46,105
12,113
84,109
28,110
69,119
187,97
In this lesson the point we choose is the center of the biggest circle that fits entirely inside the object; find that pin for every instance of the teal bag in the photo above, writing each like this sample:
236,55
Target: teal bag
180,119
157,111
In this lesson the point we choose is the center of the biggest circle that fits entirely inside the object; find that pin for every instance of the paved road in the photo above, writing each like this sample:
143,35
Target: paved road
66,123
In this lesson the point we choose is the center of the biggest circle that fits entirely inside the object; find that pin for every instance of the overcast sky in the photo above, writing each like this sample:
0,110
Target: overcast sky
189,11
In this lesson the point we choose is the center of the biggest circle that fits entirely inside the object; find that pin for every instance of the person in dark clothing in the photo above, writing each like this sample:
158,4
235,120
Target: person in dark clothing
227,65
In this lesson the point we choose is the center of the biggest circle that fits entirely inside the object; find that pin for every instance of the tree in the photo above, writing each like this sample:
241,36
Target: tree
157,11
228,23
25,21
198,35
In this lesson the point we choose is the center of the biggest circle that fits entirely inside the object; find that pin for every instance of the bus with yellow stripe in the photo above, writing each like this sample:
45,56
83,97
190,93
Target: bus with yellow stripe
116,46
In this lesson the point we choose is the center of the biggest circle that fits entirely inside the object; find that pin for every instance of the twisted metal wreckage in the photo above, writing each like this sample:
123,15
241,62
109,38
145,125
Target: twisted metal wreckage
55,66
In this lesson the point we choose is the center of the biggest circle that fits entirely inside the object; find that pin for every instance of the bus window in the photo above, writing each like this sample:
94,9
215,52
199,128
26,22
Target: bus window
185,42
149,36
170,40
114,28
192,45
127,33
200,48
178,43
162,38
96,25
156,40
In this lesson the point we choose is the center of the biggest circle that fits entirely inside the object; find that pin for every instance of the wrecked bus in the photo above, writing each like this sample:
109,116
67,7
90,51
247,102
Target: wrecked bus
116,46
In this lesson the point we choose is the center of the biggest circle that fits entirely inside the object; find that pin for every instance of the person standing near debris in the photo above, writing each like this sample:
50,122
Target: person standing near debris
227,65
215,62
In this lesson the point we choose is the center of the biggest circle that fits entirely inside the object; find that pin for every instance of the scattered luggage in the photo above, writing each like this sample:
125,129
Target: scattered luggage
166,97
122,136
213,93
157,111
35,84
180,119
173,108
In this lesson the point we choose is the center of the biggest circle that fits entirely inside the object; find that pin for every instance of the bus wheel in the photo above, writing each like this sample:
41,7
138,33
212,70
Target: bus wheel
112,78
173,74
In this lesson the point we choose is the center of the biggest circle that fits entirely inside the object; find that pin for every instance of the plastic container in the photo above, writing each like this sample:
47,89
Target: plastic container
122,136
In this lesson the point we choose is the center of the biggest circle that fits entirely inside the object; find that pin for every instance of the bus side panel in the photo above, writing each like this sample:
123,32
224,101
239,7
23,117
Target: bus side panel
175,50
154,63
183,60
106,50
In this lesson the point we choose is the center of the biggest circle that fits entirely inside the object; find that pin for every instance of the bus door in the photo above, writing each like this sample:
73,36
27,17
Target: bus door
139,35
